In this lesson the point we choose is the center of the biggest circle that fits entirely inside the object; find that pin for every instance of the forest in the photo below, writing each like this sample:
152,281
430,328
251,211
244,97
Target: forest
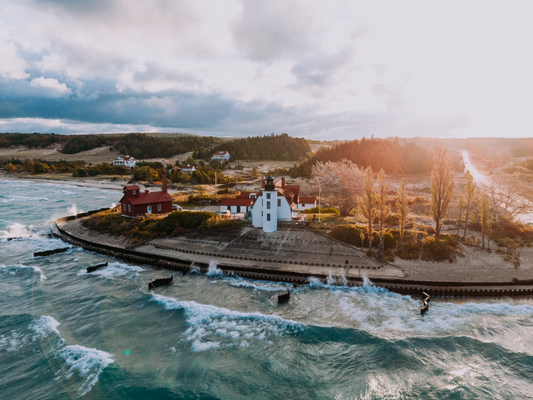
395,156
138,145
269,147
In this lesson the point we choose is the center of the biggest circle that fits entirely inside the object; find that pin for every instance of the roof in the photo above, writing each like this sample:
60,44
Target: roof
149,198
281,193
131,187
302,200
220,153
127,158
293,188
188,166
245,195
236,202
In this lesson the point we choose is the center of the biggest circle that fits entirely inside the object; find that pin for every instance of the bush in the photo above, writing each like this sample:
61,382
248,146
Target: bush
314,210
349,234
439,249
411,251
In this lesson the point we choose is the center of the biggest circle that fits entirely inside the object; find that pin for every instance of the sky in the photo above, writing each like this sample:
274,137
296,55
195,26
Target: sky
314,69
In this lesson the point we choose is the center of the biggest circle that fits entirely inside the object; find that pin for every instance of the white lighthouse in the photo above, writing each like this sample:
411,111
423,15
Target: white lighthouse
270,209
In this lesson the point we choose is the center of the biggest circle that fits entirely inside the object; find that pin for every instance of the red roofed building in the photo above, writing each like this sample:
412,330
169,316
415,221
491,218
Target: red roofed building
241,204
305,203
222,155
135,203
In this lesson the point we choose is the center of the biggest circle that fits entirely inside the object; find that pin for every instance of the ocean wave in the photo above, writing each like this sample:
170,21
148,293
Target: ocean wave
21,199
115,270
86,362
44,326
228,327
13,269
213,270
267,286
13,342
70,194
17,230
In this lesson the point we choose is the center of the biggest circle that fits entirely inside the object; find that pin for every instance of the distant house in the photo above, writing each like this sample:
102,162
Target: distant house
135,203
241,204
188,168
127,161
221,155
305,203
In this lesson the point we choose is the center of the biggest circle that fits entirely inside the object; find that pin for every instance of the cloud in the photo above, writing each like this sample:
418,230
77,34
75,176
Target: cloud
12,66
52,84
267,30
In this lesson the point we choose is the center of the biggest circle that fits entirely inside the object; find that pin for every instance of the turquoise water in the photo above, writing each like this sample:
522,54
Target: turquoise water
66,334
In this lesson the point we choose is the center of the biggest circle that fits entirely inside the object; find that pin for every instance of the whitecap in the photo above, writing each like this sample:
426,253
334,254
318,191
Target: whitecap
267,286
115,270
207,322
214,270
198,346
86,362
43,326
17,230
12,269
13,342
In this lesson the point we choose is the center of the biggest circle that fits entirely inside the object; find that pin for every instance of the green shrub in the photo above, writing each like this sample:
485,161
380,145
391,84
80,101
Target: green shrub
314,210
388,255
349,234
439,249
411,251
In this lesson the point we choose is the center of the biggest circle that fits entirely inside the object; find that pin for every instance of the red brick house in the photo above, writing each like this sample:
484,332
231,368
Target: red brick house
135,203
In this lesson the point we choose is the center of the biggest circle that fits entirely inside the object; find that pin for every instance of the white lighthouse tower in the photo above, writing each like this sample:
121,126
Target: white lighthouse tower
270,208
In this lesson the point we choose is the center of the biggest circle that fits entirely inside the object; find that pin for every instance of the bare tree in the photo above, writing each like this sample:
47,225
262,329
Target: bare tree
340,181
402,209
485,216
507,202
461,204
383,206
442,184
367,203
470,189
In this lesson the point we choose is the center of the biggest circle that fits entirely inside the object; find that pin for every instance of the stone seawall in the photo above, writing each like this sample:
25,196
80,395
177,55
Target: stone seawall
401,286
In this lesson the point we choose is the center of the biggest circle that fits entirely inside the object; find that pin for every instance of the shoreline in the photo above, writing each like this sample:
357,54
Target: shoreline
293,274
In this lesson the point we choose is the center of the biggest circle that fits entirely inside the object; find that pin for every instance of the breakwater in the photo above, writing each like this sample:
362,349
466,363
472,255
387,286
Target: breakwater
401,286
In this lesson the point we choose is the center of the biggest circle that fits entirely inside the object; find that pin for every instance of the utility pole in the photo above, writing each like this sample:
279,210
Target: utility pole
215,185
319,195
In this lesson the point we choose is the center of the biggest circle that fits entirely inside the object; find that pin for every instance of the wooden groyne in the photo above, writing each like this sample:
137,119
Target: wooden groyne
284,297
96,267
160,282
50,252
401,286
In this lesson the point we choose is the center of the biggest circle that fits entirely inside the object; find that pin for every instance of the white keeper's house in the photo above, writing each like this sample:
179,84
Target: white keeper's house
127,161
222,155
305,203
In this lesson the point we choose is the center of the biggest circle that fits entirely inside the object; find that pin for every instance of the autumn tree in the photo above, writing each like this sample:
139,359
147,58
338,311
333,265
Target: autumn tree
485,216
461,204
340,183
470,190
507,202
383,206
367,203
254,173
402,209
442,184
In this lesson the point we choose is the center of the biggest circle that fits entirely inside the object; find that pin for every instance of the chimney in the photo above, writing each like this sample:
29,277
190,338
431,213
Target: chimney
164,188
283,183
263,183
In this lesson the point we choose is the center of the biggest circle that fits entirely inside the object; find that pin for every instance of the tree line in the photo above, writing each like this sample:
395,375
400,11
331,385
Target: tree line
394,156
269,147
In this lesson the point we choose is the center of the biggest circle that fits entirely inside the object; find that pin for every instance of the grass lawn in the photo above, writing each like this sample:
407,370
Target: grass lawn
328,221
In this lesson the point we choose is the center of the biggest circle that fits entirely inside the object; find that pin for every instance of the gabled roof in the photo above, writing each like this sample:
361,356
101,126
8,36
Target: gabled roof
220,153
131,187
302,200
236,202
245,195
149,198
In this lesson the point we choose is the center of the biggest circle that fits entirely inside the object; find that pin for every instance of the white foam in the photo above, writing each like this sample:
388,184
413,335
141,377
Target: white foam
115,270
198,346
70,194
86,362
16,230
21,199
12,269
267,286
74,210
207,322
44,326
214,270
13,342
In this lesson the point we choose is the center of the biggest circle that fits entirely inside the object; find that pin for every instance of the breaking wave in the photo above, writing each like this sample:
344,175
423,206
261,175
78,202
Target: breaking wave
87,363
212,327
115,270
13,269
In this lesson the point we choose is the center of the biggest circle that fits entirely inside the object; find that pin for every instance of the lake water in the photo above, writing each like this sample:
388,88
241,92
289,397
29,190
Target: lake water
66,334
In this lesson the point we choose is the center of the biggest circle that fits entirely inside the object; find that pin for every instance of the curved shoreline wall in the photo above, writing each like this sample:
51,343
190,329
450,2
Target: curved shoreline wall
401,286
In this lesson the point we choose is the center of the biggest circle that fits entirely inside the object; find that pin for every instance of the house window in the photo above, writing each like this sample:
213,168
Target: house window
261,213
268,196
268,205
229,208
129,207
124,207
134,191
268,217
279,202
238,209
159,207
303,205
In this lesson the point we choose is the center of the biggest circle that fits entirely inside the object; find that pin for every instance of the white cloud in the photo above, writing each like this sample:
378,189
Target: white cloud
51,83
12,65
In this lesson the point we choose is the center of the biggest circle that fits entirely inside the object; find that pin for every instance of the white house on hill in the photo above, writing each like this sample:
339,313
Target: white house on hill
221,155
305,203
127,161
